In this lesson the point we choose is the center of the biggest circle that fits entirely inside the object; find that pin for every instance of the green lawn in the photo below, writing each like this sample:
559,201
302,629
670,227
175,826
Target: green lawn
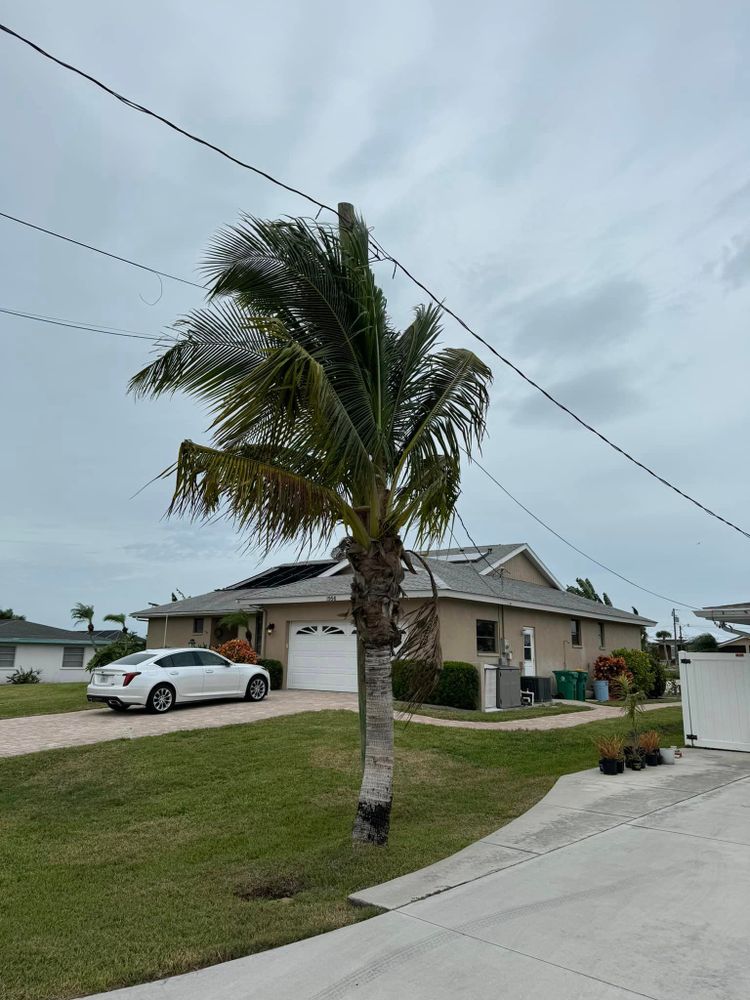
128,861
509,715
42,699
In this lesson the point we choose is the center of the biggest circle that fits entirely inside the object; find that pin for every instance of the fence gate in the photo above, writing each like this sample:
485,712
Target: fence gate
716,700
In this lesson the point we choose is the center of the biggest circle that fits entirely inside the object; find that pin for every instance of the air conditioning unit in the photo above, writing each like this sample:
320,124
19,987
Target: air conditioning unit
540,686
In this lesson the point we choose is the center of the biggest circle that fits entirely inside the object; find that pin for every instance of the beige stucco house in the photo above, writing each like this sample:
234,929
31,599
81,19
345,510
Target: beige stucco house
496,600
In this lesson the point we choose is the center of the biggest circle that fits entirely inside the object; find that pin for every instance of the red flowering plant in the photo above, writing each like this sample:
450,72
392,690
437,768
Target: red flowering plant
238,651
607,668
611,668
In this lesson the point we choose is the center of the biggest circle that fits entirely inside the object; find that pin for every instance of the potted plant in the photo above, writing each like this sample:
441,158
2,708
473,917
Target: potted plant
610,754
632,703
606,670
649,743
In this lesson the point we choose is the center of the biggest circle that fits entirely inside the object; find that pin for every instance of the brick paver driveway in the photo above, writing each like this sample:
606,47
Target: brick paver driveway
68,729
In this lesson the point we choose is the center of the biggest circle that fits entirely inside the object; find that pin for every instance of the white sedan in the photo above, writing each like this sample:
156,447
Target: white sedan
156,679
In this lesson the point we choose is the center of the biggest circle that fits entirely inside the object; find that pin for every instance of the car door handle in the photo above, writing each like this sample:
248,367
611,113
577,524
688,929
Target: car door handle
209,671
174,673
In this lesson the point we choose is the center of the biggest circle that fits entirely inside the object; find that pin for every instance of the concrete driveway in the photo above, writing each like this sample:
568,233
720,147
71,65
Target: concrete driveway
69,729
610,888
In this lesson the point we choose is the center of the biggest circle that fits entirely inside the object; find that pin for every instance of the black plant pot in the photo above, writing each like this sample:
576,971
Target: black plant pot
608,766
652,759
635,763
620,766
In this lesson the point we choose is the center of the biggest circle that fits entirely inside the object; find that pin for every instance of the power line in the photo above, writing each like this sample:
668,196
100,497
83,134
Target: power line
104,253
380,254
625,579
86,327
165,121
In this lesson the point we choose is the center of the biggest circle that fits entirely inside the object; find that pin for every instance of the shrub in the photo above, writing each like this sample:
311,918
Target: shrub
609,747
606,668
238,651
125,644
21,676
640,666
457,685
650,741
276,669
660,680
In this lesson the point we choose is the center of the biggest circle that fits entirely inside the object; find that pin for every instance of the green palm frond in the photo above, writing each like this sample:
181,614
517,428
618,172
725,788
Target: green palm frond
119,619
82,613
318,406
271,503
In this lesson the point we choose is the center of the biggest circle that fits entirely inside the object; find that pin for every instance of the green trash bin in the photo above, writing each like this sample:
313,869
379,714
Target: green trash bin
566,684
581,678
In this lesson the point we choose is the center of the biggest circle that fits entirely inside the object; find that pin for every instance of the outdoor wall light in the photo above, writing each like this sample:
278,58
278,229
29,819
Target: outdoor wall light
270,629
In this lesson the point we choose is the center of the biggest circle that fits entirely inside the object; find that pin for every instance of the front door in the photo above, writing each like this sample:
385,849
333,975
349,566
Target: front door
529,653
220,679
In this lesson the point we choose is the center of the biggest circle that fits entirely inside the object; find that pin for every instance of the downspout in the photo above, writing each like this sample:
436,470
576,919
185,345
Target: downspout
164,640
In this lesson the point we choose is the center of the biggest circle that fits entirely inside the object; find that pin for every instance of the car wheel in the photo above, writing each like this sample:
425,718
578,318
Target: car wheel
161,699
117,707
257,689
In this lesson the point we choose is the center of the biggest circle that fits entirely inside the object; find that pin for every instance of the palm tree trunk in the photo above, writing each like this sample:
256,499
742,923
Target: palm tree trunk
376,593
376,794
362,700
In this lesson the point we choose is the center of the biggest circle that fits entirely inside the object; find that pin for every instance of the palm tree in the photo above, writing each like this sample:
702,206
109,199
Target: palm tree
323,415
84,613
118,620
240,619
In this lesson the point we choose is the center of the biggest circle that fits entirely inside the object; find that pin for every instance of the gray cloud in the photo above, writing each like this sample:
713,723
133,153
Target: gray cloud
602,395
595,318
734,267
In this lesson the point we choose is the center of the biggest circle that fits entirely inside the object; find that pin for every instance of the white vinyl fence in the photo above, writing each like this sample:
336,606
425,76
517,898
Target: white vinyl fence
716,700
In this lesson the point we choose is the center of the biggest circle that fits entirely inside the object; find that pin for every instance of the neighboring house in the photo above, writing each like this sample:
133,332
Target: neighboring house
739,643
59,654
498,599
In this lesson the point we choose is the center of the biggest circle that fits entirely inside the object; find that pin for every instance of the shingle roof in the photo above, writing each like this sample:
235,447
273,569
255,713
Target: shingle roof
23,631
462,578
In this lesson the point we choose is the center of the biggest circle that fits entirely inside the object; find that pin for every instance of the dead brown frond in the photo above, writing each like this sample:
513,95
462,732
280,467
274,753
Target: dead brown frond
422,642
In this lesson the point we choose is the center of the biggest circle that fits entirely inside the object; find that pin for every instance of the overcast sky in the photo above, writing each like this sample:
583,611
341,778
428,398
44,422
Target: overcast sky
572,177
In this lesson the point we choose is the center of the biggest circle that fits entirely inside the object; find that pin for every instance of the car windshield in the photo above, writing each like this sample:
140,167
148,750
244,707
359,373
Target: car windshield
131,659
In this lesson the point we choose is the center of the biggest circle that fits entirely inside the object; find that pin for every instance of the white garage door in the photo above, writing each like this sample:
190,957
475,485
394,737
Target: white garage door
322,656
716,699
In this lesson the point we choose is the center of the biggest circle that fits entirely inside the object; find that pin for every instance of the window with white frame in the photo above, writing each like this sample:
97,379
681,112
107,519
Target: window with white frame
7,657
72,658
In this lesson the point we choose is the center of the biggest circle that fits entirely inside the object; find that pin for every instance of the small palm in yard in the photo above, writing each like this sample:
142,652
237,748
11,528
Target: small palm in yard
323,415
119,619
241,620
83,613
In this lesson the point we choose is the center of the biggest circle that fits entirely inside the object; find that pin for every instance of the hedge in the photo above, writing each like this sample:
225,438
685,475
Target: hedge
457,686
276,669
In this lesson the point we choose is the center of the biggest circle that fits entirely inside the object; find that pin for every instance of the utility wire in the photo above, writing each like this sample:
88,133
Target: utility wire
74,325
380,254
104,253
165,121
625,579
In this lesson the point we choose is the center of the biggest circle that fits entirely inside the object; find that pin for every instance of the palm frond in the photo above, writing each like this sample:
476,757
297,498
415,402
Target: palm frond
119,619
422,642
266,501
